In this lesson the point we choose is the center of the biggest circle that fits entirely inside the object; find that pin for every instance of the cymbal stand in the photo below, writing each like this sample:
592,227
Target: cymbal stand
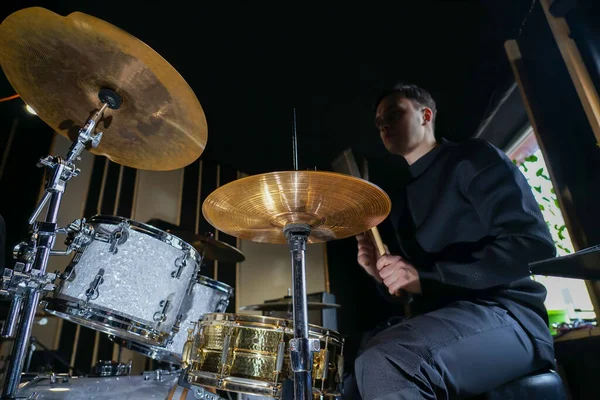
29,278
301,346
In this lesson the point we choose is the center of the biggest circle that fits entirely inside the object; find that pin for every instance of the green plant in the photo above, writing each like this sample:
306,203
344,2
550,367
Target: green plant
535,170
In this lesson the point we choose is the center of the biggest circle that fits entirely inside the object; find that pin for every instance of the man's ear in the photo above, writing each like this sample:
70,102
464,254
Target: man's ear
427,115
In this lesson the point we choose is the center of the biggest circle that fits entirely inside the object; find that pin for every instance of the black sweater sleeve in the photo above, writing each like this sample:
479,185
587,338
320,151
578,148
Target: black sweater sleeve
517,234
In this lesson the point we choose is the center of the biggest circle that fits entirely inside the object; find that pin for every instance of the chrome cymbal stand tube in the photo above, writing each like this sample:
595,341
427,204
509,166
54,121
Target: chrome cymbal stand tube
29,278
301,346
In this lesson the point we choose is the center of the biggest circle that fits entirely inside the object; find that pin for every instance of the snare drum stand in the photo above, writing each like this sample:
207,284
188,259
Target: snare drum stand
301,346
29,278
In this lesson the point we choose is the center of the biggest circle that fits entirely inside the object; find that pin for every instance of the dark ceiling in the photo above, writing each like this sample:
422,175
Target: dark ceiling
251,63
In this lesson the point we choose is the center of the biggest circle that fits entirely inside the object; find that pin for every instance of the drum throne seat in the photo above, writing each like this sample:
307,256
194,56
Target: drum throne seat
541,385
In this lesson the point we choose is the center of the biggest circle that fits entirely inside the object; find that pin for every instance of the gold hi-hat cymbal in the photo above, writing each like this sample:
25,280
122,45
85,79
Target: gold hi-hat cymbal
258,207
59,64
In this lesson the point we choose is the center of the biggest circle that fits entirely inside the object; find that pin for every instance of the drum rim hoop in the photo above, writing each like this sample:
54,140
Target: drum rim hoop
242,385
158,234
61,308
214,284
261,319
155,352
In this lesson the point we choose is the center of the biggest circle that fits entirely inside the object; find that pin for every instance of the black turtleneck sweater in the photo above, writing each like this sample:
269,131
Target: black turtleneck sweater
467,220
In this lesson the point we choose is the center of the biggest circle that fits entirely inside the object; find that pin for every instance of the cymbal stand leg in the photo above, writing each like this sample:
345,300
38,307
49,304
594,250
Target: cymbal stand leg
29,278
301,346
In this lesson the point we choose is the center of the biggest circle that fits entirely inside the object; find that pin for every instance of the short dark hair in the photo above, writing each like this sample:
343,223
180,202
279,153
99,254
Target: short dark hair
411,92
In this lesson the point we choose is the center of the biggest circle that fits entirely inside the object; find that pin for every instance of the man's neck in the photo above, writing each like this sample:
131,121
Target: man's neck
419,151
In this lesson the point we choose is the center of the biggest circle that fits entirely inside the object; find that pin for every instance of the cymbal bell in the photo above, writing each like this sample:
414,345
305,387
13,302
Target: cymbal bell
58,65
334,205
287,306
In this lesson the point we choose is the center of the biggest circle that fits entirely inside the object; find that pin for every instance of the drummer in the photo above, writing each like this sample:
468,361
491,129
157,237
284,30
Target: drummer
480,320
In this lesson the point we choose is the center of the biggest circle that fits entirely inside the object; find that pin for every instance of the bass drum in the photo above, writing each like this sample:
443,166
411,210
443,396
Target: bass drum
151,385
250,354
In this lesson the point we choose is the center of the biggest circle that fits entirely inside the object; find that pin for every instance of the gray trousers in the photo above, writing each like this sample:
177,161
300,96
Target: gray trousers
459,351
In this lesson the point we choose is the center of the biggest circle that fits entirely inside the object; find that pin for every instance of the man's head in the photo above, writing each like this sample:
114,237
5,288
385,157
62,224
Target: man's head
405,118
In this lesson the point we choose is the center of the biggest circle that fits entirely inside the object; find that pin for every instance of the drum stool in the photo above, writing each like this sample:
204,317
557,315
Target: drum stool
541,385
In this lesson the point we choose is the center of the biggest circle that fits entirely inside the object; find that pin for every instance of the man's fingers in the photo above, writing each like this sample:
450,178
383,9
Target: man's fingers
396,285
364,260
365,253
364,246
387,271
391,280
386,260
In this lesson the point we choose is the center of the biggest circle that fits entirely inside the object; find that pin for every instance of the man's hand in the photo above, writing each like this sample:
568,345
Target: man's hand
366,256
397,273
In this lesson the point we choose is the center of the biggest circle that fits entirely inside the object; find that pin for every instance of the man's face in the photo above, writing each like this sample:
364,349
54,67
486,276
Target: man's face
401,124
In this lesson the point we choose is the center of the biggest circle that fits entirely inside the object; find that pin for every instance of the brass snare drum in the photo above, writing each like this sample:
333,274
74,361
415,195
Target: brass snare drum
250,354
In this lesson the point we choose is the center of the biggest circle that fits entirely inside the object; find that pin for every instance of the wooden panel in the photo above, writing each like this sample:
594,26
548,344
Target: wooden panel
579,74
158,195
267,272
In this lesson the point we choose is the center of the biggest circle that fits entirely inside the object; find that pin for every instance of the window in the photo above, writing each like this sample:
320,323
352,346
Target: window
563,293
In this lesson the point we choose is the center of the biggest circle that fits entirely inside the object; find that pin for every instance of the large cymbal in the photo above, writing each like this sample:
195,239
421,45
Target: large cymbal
258,207
210,247
59,64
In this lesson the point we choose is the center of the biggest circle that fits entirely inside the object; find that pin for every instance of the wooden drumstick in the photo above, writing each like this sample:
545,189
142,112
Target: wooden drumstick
345,163
172,392
184,393
378,242
381,250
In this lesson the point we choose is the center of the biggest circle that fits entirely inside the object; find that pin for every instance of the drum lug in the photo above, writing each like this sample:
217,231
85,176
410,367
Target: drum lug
93,292
115,238
224,366
161,316
222,305
118,237
177,324
180,263
340,369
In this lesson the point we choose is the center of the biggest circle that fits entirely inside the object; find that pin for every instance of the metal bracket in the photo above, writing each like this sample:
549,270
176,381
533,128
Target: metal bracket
18,282
297,349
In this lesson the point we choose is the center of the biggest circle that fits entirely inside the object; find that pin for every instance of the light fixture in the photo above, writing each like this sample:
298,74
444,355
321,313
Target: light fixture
31,110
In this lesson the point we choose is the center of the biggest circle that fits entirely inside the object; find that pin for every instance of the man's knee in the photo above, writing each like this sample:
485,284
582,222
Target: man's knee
379,373
372,358
378,359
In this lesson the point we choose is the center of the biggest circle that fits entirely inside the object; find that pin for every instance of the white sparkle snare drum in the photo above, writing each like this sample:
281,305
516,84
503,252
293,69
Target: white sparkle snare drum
127,279
250,354
206,296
